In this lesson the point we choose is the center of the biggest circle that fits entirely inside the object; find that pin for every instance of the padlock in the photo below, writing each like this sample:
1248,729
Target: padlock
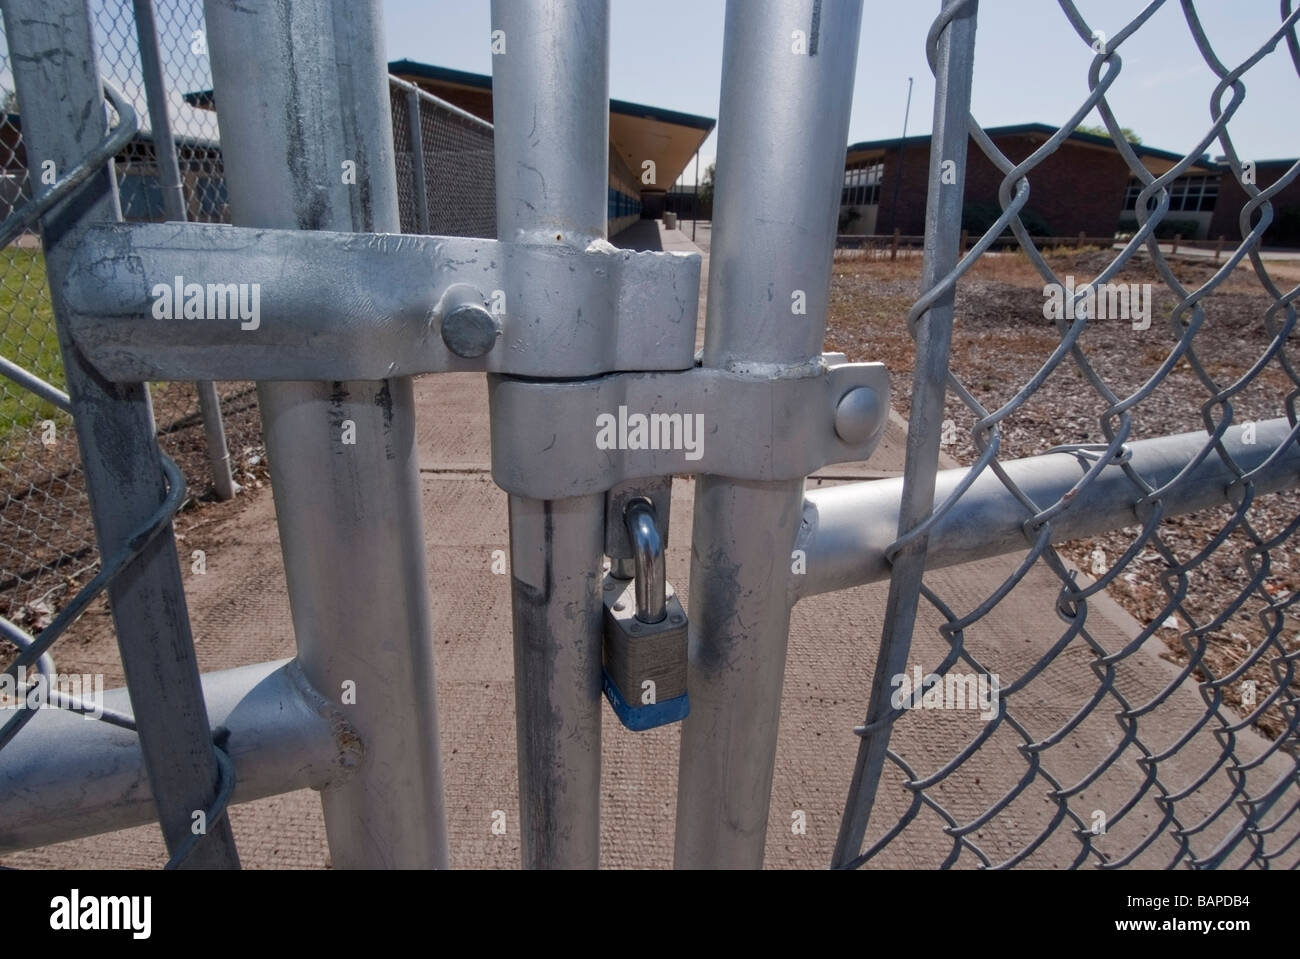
645,633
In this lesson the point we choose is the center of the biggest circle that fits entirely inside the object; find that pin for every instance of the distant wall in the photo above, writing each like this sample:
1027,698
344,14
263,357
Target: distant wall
1285,230
1076,189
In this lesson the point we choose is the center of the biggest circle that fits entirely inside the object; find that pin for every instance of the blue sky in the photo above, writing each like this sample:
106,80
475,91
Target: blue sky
1030,66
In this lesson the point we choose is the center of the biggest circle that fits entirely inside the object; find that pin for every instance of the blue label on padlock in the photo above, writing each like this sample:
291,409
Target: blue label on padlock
640,718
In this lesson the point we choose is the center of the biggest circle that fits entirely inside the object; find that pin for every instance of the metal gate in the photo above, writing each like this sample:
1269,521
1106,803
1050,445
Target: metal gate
313,294
1175,771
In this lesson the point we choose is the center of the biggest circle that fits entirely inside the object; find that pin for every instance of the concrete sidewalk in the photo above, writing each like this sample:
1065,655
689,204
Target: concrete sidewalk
833,643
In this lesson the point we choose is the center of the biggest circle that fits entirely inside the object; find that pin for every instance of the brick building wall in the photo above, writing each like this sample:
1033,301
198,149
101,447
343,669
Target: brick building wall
1285,230
1078,188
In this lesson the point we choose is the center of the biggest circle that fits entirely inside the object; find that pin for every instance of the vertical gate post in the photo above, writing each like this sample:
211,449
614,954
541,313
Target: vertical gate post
550,103
306,132
169,179
55,65
944,244
782,134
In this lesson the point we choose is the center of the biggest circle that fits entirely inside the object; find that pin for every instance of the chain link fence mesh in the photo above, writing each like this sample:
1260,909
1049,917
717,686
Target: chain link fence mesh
1173,743
1195,766
47,547
457,149
456,172
46,543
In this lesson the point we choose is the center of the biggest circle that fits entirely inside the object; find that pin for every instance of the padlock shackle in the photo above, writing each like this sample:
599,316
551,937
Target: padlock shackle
648,557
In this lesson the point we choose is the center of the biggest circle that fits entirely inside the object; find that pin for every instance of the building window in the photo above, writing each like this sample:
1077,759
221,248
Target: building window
862,184
1131,194
1189,194
1194,194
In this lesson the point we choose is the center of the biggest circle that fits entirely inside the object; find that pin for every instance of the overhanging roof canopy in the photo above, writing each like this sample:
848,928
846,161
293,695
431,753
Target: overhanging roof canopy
636,132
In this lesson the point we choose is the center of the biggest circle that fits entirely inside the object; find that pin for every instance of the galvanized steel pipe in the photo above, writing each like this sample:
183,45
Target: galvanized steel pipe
787,87
550,103
301,92
69,776
848,529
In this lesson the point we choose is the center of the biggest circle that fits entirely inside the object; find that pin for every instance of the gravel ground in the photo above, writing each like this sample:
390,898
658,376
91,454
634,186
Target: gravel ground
1001,338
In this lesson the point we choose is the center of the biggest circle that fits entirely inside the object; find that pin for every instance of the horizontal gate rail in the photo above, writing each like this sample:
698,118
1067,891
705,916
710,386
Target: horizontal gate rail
848,530
64,778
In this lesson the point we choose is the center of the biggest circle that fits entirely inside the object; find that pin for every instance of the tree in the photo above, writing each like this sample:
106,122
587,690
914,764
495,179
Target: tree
706,187
1099,131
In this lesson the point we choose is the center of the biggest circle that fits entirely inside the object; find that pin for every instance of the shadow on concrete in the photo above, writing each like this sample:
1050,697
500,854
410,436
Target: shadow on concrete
643,235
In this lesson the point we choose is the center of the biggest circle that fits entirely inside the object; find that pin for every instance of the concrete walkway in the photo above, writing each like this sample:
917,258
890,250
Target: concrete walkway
833,642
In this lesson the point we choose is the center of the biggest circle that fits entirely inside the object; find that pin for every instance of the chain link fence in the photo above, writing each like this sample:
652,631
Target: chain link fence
451,147
47,548
1171,742
46,542
1174,743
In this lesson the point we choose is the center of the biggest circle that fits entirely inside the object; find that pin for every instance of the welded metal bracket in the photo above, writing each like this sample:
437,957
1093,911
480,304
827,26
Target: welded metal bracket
552,440
186,301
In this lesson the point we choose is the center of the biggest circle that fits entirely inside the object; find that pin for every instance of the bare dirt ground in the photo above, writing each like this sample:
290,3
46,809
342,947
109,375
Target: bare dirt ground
1001,339
48,552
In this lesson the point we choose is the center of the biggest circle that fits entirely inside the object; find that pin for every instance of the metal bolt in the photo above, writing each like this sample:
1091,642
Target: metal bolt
634,627
858,415
470,331
619,607
468,328
678,619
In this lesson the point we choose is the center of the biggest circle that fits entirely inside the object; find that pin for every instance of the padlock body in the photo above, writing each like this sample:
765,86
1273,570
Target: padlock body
645,663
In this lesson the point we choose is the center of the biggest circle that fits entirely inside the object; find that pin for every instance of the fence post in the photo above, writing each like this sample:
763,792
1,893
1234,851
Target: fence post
301,90
744,532
169,178
953,69
53,53
550,104
893,246
1177,239
1218,249
1079,243
416,131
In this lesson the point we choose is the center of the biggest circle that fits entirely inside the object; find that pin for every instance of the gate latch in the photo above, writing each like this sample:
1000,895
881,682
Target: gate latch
645,631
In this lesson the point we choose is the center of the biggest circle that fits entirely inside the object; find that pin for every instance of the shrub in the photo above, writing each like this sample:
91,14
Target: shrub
976,218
